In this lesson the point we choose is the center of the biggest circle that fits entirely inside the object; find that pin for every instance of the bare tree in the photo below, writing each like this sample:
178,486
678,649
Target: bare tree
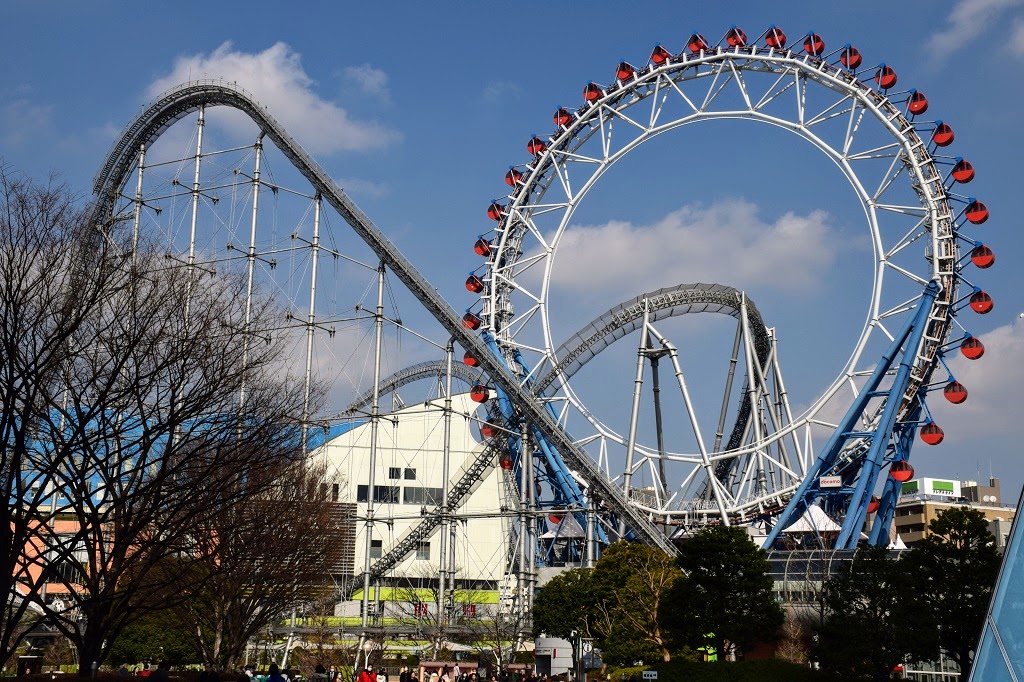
138,397
418,603
496,632
274,552
54,277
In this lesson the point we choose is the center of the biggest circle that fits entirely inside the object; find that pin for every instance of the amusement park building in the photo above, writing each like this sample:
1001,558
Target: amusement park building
407,485
922,500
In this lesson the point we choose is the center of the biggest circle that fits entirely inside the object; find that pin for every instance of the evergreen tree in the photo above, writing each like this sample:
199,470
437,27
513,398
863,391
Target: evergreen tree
726,597
953,573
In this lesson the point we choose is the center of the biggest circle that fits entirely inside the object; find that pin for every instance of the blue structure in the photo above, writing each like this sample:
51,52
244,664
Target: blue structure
889,441
1001,650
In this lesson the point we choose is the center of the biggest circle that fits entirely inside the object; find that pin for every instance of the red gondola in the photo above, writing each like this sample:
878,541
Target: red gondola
982,256
592,92
471,321
470,360
775,38
480,393
660,55
513,177
917,103
981,303
474,284
554,519
963,171
624,71
536,146
488,430
563,117
850,57
901,471
932,434
814,45
874,504
976,212
885,77
955,392
736,37
495,211
505,462
482,247
942,136
696,43
972,348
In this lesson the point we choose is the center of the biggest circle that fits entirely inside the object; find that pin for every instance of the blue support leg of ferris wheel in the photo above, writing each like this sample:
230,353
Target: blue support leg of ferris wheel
857,510
809,489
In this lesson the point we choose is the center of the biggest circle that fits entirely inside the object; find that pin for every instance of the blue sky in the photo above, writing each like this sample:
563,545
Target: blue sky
419,108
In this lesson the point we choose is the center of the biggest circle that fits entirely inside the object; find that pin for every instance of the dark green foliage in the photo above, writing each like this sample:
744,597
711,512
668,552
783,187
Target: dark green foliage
953,572
629,585
155,637
726,597
564,604
741,671
866,632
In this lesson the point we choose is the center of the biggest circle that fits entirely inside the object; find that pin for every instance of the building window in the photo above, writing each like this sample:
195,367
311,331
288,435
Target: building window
410,474
394,473
376,549
386,494
423,551
427,496
334,492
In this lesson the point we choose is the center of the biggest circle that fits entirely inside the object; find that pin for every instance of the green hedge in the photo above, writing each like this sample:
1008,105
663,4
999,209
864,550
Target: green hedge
742,671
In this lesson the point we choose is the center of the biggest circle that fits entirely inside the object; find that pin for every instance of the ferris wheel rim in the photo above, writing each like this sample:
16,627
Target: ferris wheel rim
911,152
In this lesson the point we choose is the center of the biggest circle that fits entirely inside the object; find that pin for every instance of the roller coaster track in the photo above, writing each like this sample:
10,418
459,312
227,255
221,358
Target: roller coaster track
182,100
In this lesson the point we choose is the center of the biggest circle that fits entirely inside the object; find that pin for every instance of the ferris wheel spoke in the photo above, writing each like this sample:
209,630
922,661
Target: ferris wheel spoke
857,113
659,96
605,127
899,309
913,277
715,88
616,113
675,87
562,172
904,210
890,177
543,209
563,156
912,235
531,228
801,96
519,268
833,111
781,85
738,79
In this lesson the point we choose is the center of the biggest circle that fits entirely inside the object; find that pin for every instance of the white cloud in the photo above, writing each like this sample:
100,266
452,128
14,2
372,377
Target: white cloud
966,22
499,91
276,78
21,119
995,385
369,81
693,244
356,187
1017,38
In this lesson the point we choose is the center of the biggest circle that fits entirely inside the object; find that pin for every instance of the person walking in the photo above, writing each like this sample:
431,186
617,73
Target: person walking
275,674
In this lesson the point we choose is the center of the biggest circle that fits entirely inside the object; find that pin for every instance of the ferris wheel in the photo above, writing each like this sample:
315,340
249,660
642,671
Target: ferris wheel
917,216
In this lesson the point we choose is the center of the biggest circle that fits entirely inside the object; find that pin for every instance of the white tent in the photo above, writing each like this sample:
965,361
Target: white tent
814,520
898,544
566,527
